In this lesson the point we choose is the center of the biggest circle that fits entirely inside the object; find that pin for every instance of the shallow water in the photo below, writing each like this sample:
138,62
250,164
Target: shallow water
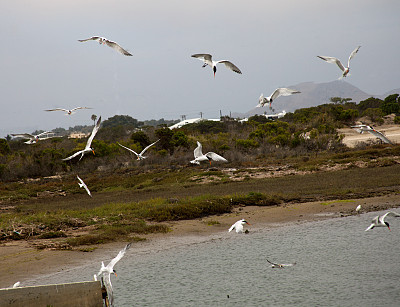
338,264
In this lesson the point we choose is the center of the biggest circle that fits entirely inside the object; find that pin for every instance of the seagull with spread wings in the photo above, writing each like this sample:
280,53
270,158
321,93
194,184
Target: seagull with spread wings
198,155
207,59
139,155
83,185
336,61
67,112
33,138
379,220
281,91
365,128
88,143
106,271
280,265
109,43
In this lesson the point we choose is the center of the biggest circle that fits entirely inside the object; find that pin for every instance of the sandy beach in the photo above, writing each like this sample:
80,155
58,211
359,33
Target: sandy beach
21,262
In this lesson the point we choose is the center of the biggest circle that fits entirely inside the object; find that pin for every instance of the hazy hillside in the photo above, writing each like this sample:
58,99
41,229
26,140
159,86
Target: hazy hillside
312,94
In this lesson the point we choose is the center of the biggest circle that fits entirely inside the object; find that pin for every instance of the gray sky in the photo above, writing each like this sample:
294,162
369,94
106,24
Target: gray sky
274,43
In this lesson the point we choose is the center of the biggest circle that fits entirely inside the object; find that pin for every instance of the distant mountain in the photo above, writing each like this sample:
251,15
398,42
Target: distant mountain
312,94
395,91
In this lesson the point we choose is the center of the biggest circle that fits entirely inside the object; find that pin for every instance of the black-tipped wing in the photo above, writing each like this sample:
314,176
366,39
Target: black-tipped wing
332,60
231,66
117,47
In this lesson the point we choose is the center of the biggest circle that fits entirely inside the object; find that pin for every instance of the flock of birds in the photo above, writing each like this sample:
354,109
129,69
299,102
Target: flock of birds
106,271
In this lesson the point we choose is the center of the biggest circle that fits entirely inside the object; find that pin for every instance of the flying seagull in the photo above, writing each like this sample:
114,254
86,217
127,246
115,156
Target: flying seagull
68,112
238,226
109,269
280,265
365,128
281,91
83,185
379,220
207,59
140,155
103,40
336,61
33,138
88,144
198,155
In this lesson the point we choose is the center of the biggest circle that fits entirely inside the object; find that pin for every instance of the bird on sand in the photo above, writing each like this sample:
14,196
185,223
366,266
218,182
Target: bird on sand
207,59
88,143
198,155
103,40
106,271
280,265
358,209
33,138
139,155
83,185
336,61
67,112
365,128
379,220
238,226
16,285
281,91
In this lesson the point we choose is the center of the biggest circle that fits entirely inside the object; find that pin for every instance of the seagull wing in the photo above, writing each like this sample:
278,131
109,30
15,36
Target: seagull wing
332,60
73,156
24,135
273,263
205,57
390,213
215,157
93,38
370,227
121,254
232,227
79,108
46,132
380,136
131,150
231,66
144,150
94,131
109,288
352,55
283,91
198,152
117,47
57,109
288,264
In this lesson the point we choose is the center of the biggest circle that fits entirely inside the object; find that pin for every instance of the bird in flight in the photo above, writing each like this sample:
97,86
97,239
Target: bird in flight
198,155
68,112
103,40
280,265
83,185
336,61
32,139
88,143
106,271
139,155
365,128
238,226
379,220
281,91
207,59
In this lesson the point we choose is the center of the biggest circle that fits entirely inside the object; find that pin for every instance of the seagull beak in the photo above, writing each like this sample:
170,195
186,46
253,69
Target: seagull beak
388,227
210,162
214,74
93,152
247,223
115,274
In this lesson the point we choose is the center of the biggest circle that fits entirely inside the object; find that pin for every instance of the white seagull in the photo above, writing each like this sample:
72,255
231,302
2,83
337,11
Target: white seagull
238,226
109,269
88,144
281,91
334,60
83,185
358,209
139,155
103,40
207,59
198,155
16,285
379,221
68,112
33,138
365,128
280,265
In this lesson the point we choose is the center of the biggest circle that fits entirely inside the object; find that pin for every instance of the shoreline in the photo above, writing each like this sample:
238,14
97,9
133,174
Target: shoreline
21,262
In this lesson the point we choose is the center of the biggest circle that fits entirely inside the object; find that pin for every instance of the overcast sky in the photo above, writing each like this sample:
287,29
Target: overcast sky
274,43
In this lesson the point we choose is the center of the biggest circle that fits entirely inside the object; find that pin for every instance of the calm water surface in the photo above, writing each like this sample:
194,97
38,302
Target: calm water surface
338,264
